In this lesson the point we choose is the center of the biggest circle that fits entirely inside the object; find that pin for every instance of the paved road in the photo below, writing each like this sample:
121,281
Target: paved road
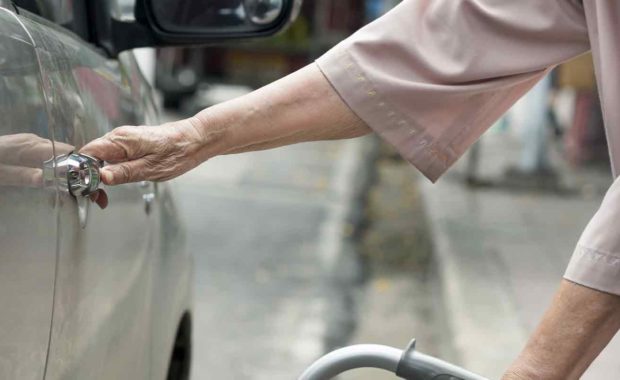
265,229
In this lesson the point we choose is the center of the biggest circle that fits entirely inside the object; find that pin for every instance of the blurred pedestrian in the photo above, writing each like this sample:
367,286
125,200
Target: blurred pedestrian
429,77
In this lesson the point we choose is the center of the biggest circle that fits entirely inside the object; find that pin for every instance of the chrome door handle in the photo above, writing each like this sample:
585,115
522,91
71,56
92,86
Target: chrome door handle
75,172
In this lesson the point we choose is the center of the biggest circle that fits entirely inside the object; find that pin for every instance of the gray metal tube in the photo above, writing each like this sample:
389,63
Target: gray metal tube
347,358
415,365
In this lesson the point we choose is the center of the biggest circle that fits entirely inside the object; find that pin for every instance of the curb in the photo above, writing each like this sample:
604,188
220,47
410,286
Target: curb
480,310
351,183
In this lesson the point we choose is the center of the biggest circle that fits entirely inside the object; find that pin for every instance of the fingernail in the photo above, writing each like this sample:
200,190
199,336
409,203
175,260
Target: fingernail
102,199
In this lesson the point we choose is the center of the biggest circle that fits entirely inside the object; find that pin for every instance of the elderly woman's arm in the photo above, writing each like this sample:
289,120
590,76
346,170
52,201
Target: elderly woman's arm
575,329
582,318
429,77
300,107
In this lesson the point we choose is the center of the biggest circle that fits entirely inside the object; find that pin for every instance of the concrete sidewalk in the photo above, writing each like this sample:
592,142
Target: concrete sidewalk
501,256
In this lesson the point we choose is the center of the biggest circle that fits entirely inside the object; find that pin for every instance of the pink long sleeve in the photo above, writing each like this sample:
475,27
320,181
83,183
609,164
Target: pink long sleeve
596,260
432,75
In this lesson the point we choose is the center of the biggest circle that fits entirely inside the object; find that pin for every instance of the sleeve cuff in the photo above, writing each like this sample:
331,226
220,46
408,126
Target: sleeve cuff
411,141
595,269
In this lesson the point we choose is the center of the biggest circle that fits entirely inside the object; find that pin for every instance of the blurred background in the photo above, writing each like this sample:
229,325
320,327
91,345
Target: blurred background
311,247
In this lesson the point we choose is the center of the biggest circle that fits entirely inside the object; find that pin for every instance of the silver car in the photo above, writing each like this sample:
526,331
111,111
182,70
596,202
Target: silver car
90,293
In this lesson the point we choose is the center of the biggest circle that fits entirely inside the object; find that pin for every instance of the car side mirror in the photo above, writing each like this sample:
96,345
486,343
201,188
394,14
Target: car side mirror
191,22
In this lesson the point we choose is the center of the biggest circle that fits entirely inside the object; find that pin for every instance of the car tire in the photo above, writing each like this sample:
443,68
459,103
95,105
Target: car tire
181,358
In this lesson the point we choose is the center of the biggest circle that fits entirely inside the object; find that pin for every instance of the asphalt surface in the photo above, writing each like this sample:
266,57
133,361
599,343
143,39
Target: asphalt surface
271,279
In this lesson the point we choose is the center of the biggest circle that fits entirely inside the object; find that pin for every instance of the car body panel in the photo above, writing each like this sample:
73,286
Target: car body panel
28,211
122,282
101,319
173,289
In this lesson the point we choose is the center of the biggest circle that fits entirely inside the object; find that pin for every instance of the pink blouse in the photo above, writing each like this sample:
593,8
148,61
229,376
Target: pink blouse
431,76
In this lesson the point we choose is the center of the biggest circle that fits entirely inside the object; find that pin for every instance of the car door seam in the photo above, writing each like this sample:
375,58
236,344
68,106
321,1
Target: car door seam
56,198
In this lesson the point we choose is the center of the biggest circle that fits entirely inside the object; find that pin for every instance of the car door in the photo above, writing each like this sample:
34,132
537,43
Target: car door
28,210
101,321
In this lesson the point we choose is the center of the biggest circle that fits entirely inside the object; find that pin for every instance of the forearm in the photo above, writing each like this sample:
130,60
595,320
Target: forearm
300,107
574,330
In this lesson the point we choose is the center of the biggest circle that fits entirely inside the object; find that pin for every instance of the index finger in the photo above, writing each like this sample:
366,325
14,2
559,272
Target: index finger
105,149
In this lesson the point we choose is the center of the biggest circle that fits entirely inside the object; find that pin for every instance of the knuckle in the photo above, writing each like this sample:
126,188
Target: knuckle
112,136
36,178
122,131
104,140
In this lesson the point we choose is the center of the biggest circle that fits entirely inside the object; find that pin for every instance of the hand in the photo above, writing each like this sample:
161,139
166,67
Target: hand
22,156
298,108
149,153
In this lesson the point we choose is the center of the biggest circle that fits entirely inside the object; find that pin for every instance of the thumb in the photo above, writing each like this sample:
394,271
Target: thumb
125,172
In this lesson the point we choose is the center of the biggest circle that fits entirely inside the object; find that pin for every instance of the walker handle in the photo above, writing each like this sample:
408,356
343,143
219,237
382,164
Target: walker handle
406,364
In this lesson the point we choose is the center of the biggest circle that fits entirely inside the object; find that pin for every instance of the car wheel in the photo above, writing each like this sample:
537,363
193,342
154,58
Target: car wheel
181,358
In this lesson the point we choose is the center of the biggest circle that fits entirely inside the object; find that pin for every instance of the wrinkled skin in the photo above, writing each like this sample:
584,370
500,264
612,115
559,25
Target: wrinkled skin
300,107
155,153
